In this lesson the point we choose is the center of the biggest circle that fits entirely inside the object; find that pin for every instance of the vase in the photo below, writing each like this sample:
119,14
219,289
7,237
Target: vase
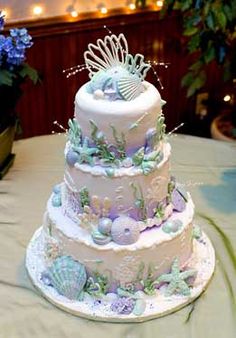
6,156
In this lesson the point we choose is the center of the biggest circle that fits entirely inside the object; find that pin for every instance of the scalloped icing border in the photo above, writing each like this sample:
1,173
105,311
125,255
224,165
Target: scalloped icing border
202,260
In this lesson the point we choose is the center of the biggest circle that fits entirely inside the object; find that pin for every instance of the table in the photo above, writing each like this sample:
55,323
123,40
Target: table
207,167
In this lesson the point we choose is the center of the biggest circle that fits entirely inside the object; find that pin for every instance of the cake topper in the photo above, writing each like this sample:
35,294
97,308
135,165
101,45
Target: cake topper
113,70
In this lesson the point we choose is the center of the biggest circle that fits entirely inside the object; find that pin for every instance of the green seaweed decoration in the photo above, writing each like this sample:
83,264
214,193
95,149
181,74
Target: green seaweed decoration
149,283
74,132
120,142
84,197
139,201
160,211
97,286
103,148
161,127
147,162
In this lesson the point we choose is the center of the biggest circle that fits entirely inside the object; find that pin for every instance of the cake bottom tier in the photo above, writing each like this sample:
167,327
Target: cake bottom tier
121,265
137,306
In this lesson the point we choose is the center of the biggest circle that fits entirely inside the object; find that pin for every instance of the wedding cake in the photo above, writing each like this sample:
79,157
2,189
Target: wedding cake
118,241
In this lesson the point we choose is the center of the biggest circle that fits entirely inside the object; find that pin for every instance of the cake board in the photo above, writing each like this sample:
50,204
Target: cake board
202,260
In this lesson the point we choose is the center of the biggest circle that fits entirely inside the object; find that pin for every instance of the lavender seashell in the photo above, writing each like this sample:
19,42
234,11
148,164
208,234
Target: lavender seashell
177,201
123,305
67,276
125,230
104,225
72,157
151,138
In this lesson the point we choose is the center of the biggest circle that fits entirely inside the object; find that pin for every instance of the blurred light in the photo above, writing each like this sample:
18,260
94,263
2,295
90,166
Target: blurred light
5,12
159,3
132,6
74,14
102,8
227,98
38,10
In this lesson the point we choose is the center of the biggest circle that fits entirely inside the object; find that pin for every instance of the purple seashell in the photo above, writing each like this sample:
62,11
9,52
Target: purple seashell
177,201
123,305
151,138
72,157
124,230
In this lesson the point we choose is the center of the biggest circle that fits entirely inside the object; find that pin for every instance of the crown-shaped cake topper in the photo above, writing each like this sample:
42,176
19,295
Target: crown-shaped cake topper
115,74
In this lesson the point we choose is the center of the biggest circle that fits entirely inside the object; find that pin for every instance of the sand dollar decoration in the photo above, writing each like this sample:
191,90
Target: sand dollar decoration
125,230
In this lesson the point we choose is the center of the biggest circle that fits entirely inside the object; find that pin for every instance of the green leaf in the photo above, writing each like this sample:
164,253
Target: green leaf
190,31
193,43
209,54
6,77
198,83
195,67
30,72
228,12
210,21
186,5
222,20
187,79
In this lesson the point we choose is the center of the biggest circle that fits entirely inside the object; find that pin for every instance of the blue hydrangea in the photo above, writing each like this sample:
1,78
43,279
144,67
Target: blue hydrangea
14,46
2,42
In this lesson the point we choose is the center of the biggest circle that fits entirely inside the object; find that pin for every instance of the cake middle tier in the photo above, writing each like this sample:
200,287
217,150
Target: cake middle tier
129,191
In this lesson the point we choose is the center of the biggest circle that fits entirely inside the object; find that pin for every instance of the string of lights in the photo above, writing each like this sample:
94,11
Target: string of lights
39,10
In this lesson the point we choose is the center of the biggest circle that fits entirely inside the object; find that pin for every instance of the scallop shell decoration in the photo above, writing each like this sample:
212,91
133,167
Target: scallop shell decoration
67,276
110,59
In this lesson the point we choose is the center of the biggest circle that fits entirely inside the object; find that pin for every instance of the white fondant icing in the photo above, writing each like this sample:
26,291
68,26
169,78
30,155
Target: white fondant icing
121,114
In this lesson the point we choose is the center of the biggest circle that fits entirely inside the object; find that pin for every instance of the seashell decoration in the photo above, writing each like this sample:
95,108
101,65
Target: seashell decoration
104,225
107,53
139,307
72,157
100,238
125,230
56,200
172,226
67,276
178,201
113,70
130,87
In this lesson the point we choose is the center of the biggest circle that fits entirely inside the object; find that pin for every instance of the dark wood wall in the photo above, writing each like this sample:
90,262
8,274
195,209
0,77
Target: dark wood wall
59,44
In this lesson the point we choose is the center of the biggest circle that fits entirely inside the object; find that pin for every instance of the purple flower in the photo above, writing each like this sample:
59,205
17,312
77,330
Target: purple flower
2,20
123,305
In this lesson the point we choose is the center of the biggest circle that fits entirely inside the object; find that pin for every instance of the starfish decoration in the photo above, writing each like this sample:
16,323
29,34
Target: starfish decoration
85,152
177,280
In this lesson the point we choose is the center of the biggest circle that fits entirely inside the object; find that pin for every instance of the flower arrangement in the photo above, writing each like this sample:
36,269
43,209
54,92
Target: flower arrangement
13,70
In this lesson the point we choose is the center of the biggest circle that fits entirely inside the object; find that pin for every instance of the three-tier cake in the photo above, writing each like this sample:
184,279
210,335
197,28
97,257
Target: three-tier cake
118,241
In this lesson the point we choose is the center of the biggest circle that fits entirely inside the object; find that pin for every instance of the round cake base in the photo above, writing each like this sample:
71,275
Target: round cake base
202,260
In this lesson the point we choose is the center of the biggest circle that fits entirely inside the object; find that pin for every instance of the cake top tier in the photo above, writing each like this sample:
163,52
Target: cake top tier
115,74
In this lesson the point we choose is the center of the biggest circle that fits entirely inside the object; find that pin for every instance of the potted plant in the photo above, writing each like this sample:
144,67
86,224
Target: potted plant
209,35
13,72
